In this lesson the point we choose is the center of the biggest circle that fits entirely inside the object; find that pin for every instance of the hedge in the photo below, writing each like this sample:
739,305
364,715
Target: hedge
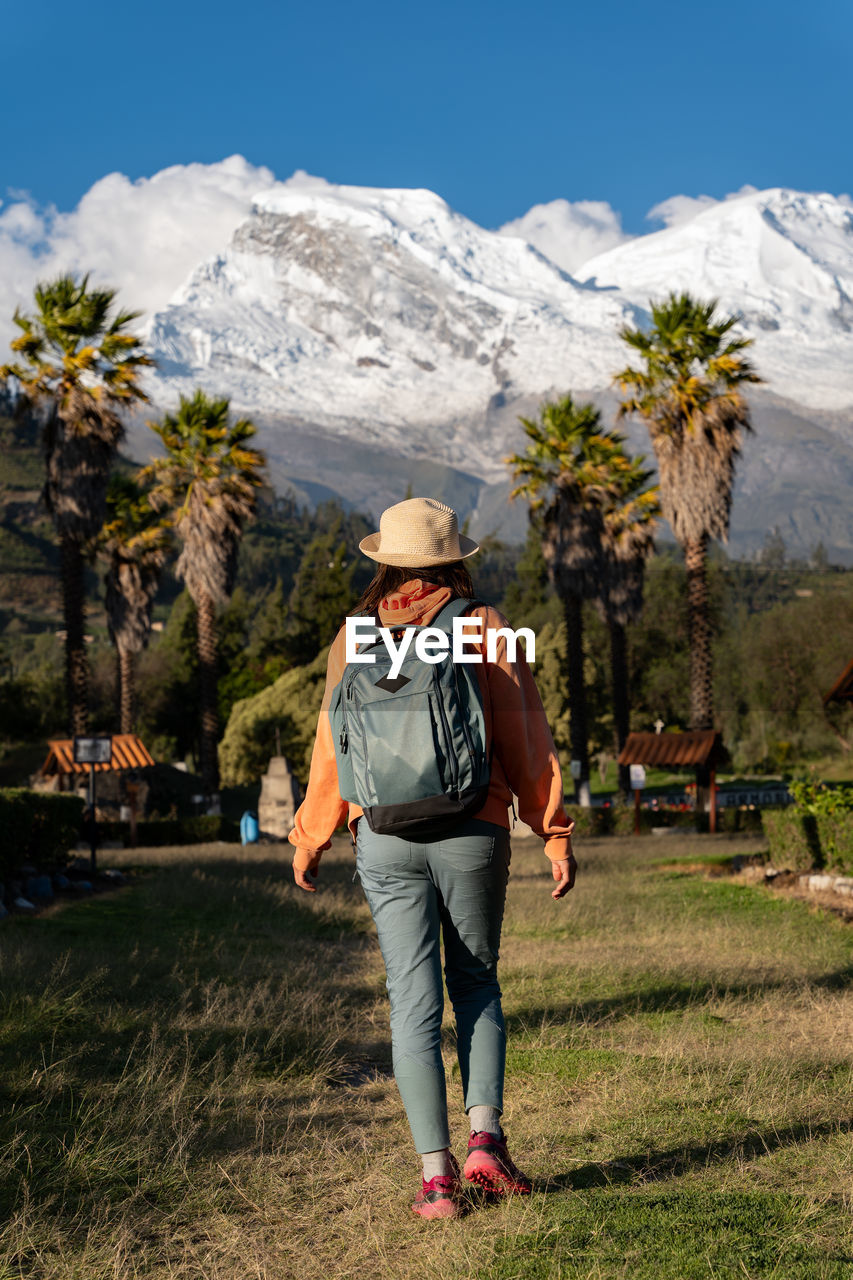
39,827
618,820
160,831
835,836
793,839
588,822
732,821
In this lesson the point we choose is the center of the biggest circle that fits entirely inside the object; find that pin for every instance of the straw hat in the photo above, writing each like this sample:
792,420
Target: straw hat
416,533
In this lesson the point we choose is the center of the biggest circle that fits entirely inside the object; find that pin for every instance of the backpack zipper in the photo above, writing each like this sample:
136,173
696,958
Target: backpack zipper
448,741
357,717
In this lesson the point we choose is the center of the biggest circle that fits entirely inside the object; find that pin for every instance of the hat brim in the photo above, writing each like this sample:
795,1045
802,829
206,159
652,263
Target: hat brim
370,546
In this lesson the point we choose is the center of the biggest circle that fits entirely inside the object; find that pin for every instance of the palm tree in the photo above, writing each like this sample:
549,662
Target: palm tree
135,544
688,391
564,473
79,367
630,521
207,483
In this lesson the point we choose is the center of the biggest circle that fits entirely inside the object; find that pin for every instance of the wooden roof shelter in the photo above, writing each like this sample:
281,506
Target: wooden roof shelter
842,690
128,752
695,747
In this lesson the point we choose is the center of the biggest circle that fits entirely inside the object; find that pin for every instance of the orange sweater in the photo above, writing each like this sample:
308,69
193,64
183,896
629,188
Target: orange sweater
524,762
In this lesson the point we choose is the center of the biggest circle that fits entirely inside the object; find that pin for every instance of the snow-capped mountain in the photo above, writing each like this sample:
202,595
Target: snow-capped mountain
387,309
783,259
379,338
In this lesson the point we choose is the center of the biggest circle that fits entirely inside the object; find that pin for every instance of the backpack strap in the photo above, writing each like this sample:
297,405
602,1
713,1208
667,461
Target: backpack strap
454,609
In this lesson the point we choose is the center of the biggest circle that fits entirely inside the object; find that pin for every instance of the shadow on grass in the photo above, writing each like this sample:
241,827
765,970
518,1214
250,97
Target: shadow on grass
655,1166
155,1031
669,997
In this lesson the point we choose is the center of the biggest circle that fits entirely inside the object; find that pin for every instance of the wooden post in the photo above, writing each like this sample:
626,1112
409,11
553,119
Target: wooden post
132,789
93,828
712,821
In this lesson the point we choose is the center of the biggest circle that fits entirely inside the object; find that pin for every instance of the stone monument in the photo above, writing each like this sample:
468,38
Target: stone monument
281,796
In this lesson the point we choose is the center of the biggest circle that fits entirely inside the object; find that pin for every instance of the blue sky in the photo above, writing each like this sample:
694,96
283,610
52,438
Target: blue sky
495,106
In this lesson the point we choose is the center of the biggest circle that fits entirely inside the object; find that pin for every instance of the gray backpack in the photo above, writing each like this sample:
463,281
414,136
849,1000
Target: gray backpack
411,751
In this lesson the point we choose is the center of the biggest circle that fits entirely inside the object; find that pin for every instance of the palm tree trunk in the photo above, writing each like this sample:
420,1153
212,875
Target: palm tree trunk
621,699
127,689
699,634
699,639
209,726
578,735
74,612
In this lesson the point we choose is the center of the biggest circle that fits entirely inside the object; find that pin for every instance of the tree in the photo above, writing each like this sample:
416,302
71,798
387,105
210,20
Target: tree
564,475
688,391
630,511
135,545
79,367
630,522
207,483
322,594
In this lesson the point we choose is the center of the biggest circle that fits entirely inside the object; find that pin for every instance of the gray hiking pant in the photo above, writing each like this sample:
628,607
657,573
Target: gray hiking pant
417,891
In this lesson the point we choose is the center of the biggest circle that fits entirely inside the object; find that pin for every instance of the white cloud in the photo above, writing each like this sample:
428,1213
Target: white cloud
569,233
679,209
142,237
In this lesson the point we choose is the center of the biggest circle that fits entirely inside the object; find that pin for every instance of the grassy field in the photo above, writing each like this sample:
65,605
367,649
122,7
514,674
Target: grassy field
195,1080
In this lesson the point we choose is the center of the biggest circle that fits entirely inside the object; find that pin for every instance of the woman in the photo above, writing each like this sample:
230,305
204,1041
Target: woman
452,884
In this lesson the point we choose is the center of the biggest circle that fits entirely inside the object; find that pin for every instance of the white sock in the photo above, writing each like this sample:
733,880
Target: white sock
485,1119
436,1164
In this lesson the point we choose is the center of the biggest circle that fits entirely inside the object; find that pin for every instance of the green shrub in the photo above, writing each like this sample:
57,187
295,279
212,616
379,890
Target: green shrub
152,832
750,820
588,822
732,820
793,839
817,798
291,705
38,827
835,834
816,832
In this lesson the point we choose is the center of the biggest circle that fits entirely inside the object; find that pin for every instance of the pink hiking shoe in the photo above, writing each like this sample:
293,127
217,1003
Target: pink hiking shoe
440,1197
489,1165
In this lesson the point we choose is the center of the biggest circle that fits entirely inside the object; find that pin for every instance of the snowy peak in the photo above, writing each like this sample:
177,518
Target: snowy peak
783,259
379,338
383,307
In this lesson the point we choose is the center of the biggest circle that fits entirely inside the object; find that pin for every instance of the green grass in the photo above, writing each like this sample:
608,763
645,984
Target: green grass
651,1235
195,1079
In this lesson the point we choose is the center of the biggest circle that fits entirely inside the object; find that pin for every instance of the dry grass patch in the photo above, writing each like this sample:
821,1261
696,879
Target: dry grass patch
196,1080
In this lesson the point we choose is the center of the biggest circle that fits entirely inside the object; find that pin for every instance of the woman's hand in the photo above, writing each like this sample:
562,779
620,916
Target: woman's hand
563,870
306,879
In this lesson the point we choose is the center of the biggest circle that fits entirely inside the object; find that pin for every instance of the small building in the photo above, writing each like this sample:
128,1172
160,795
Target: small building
693,749
129,755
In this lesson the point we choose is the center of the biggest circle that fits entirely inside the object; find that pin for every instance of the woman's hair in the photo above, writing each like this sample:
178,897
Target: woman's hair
390,577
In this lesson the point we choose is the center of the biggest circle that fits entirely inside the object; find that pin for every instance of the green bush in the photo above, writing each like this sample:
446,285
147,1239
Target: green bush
38,827
588,822
793,839
835,834
816,832
291,705
161,831
732,820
